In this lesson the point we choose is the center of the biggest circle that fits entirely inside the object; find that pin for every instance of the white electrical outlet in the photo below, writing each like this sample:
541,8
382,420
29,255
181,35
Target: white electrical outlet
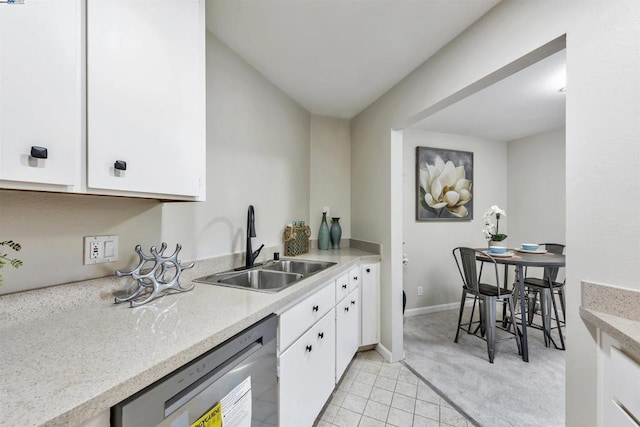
420,291
100,249
95,249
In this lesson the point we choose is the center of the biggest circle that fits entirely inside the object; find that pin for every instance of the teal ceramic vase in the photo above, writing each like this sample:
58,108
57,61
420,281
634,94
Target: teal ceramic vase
335,232
323,234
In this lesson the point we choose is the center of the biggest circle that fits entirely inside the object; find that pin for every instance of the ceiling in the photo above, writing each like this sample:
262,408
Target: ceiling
523,104
336,57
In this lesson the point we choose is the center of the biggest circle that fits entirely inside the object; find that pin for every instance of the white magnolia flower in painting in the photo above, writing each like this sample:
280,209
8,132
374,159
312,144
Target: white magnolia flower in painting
445,186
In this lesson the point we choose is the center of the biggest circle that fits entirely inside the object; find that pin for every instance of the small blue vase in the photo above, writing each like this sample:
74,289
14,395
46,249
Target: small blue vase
323,234
336,233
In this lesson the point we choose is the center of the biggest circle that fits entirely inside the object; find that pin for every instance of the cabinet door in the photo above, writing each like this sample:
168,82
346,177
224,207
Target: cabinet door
347,336
146,96
342,286
370,306
306,374
40,91
354,278
296,320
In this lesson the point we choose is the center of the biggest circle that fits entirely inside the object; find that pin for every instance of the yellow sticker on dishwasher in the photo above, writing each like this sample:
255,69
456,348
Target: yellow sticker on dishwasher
213,418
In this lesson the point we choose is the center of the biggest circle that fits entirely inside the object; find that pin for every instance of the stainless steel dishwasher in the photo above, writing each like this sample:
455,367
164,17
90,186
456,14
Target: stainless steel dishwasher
234,383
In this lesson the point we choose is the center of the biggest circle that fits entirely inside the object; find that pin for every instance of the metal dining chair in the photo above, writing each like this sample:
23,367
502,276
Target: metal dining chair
487,295
545,290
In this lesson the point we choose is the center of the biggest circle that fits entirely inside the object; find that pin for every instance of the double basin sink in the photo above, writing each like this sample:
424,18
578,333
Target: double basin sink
272,276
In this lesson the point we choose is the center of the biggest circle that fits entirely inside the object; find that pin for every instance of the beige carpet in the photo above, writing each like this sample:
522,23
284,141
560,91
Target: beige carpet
508,392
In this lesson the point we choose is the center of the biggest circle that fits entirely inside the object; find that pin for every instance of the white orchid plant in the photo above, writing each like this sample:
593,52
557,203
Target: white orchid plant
445,186
490,230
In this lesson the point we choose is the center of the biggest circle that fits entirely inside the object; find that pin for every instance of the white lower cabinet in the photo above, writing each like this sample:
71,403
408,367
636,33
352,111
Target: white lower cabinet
307,374
370,304
317,339
295,321
619,375
347,334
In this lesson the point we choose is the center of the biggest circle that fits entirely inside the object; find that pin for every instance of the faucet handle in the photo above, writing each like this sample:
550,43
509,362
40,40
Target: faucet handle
255,254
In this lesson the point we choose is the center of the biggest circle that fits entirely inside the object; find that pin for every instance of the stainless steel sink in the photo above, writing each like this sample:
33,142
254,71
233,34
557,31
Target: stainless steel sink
261,280
273,276
305,268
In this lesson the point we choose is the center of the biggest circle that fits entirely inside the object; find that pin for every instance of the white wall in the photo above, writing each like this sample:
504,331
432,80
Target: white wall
428,245
603,131
330,173
257,153
51,229
536,188
526,177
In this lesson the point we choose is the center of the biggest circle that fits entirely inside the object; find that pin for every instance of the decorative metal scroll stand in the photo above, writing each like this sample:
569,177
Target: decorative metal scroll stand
154,280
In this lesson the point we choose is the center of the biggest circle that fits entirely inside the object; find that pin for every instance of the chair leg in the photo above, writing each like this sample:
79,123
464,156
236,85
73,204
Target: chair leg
516,332
555,312
473,311
531,308
464,297
563,304
483,318
546,316
490,325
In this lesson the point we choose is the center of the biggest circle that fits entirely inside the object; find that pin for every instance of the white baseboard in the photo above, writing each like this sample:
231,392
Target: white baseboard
384,352
435,308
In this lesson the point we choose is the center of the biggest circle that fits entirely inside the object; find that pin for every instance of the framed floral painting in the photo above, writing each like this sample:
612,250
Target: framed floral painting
444,184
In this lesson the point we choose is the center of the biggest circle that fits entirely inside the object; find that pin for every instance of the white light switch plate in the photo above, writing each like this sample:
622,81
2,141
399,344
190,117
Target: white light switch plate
100,249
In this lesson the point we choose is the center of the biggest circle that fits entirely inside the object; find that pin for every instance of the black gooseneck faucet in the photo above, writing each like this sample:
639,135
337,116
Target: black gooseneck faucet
251,232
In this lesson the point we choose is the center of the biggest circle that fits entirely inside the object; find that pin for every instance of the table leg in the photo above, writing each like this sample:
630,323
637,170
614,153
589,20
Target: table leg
523,311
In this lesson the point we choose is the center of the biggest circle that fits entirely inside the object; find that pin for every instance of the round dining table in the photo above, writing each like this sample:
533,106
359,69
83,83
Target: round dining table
522,259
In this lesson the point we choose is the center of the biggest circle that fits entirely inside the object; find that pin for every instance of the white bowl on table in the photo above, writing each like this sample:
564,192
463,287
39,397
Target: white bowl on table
530,246
498,250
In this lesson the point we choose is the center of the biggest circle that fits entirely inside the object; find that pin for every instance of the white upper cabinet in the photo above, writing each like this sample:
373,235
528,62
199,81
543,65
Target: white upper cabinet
146,96
41,93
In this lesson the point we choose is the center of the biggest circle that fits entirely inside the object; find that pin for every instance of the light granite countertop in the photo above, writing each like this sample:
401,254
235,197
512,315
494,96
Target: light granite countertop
67,364
615,311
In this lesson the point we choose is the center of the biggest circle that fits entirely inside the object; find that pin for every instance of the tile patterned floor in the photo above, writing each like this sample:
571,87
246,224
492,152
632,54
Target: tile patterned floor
376,393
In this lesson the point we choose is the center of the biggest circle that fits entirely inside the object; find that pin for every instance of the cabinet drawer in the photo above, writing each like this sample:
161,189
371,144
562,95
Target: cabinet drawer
342,287
298,319
625,381
306,374
354,278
